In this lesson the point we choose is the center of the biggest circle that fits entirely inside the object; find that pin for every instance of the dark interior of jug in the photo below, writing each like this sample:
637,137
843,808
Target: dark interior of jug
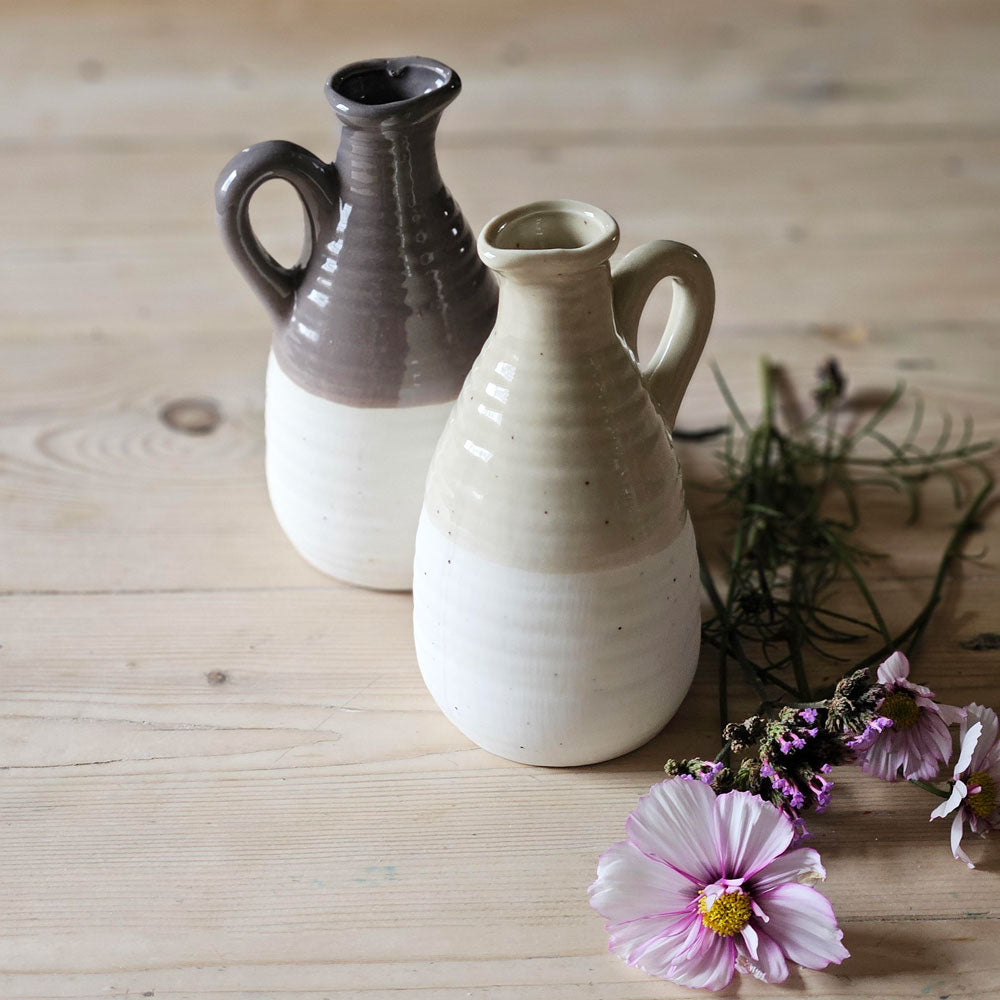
389,85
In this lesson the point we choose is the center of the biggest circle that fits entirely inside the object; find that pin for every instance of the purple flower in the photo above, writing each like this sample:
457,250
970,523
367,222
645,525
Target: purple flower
711,771
917,742
792,741
822,787
705,885
792,750
973,796
787,788
879,724
801,834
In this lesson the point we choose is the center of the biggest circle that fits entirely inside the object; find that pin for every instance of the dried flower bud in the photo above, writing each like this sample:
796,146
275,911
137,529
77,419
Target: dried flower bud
854,701
741,735
830,384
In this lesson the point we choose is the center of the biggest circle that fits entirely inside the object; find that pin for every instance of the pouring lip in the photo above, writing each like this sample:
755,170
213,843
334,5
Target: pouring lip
589,238
411,108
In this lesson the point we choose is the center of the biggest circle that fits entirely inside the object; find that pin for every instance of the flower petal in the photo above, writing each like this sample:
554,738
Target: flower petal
633,939
878,760
801,865
630,885
895,668
710,969
987,743
769,965
956,840
679,950
750,833
924,748
917,689
803,924
958,792
991,760
675,823
952,715
672,947
991,724
969,741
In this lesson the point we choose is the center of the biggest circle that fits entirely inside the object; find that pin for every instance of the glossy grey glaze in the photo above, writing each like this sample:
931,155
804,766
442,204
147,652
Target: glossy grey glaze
389,304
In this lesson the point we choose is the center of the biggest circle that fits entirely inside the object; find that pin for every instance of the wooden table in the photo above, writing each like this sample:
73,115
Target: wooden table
222,776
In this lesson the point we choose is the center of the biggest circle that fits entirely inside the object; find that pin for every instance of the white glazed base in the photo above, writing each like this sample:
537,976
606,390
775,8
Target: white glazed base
556,669
346,482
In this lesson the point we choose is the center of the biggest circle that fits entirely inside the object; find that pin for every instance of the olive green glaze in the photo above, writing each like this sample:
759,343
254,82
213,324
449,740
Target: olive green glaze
389,304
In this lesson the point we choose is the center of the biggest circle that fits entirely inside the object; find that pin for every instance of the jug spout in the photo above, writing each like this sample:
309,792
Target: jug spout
384,94
548,239
555,280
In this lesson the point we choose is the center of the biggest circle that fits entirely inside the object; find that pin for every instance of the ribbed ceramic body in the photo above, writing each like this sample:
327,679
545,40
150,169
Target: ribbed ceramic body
364,466
375,328
556,598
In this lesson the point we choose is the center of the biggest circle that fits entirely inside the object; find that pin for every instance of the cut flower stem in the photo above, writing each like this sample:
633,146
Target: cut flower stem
789,554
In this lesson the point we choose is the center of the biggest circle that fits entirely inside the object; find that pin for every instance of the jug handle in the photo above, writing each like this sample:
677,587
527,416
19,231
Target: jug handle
669,370
314,181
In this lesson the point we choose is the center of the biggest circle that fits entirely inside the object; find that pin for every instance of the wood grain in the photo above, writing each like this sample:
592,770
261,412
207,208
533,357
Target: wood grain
183,71
101,493
796,234
220,773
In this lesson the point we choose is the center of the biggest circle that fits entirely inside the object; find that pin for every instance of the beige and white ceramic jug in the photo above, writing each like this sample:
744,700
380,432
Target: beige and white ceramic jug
556,594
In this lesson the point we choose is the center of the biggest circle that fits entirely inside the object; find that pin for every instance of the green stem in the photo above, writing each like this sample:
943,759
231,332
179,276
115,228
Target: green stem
730,400
729,644
787,553
713,595
958,454
795,639
928,787
951,553
848,563
913,633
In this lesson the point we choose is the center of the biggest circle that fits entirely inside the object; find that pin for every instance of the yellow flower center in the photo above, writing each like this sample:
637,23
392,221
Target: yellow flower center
985,800
901,708
728,915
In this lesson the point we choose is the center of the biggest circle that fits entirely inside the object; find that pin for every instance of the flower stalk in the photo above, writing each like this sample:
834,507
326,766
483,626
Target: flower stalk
791,555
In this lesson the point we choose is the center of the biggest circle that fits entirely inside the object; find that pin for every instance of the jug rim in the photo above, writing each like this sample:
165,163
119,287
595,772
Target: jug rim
407,89
553,236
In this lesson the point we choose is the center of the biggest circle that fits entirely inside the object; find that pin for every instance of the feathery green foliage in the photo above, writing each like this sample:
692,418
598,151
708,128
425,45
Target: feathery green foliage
794,485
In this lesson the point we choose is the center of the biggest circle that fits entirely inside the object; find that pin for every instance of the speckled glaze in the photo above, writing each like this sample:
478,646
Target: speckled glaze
556,611
385,311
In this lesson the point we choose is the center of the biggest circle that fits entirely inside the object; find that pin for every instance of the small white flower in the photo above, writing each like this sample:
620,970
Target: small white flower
974,795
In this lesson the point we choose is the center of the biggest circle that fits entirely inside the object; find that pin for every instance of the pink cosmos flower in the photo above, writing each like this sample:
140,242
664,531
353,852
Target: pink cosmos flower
974,797
910,733
705,885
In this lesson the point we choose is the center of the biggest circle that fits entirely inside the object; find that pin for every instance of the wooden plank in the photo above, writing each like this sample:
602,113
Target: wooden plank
220,773
243,794
101,494
98,69
462,876
244,680
794,234
949,958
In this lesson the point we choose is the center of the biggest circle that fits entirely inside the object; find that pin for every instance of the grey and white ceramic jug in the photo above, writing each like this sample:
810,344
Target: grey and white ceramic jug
374,329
